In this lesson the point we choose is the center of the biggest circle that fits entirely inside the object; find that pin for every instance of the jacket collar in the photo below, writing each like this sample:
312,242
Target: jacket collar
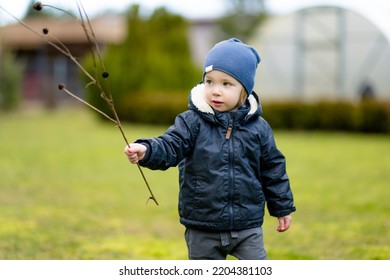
198,103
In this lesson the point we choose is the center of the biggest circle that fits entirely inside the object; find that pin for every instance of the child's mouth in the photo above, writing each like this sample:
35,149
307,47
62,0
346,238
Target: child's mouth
217,103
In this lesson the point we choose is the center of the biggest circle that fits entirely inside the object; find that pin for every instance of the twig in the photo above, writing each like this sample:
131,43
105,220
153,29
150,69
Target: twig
62,87
105,92
106,95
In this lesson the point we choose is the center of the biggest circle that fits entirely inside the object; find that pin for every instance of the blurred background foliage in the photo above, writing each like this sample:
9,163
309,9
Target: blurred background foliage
151,75
242,18
368,116
11,75
151,72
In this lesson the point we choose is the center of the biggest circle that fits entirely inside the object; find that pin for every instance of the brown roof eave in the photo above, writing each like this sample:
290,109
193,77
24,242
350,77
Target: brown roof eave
18,36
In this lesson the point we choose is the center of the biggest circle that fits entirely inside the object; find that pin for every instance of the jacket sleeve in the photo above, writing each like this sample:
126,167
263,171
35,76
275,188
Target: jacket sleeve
275,181
173,146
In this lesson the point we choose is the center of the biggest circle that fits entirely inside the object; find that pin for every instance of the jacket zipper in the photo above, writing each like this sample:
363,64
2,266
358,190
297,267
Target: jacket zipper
229,130
231,171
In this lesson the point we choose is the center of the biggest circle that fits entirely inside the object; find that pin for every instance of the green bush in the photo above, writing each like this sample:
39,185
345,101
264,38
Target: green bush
10,82
367,116
153,108
334,116
290,115
373,117
154,61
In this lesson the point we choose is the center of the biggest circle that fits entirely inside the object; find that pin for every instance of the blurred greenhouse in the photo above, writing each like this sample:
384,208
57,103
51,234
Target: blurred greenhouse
323,52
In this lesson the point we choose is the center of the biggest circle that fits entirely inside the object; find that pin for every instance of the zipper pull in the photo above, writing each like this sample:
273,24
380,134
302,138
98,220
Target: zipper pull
229,131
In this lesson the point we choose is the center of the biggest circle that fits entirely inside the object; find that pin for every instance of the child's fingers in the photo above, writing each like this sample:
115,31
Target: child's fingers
131,149
126,150
135,152
133,158
284,223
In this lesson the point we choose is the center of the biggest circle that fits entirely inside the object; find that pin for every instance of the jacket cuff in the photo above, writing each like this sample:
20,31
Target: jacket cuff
282,213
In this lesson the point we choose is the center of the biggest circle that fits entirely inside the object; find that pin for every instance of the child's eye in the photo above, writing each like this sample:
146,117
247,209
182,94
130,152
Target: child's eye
208,82
226,84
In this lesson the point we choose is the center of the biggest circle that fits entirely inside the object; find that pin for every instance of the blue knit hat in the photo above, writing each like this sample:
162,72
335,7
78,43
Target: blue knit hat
236,59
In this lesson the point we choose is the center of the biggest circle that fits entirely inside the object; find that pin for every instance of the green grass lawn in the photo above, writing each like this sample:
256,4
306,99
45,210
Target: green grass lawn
68,192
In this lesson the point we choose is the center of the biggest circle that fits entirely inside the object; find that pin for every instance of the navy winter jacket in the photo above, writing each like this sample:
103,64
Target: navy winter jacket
229,165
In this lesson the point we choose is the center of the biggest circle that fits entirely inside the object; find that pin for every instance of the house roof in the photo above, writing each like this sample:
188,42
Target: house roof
107,29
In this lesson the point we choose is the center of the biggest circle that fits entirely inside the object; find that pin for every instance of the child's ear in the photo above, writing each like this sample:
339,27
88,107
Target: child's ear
244,96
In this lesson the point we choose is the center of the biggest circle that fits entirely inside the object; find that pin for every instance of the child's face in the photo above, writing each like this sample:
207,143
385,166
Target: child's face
223,92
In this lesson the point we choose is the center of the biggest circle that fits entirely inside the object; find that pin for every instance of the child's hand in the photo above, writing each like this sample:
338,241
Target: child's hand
284,223
135,152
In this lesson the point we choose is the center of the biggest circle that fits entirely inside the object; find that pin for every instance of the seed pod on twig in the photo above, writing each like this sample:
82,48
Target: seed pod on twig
105,75
61,86
38,6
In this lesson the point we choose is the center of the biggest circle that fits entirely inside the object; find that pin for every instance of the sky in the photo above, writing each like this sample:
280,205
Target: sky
195,9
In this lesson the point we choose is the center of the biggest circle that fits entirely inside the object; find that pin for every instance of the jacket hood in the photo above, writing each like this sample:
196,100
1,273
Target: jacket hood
197,102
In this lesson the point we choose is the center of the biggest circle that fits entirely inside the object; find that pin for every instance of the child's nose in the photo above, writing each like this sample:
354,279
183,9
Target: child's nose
216,90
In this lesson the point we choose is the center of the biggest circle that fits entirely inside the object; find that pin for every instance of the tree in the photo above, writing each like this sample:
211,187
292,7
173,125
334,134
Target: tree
242,18
153,63
10,81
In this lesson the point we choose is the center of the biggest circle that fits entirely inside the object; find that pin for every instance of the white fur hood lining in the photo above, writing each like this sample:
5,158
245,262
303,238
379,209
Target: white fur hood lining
199,101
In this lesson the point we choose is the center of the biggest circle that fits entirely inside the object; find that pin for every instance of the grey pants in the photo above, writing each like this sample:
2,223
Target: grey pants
245,244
